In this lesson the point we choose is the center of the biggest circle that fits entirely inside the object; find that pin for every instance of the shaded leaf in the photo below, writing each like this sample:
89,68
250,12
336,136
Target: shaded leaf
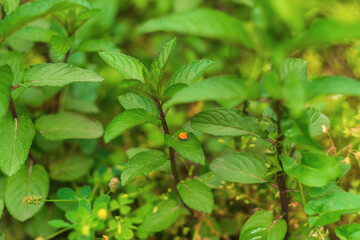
333,85
6,78
19,186
67,125
71,168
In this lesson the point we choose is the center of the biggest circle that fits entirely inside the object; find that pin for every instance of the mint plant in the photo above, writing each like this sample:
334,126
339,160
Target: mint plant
239,121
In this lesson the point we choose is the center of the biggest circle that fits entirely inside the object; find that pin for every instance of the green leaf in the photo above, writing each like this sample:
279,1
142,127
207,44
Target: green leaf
221,88
167,212
203,22
127,119
226,122
142,164
70,168
189,149
159,63
262,225
129,67
29,12
329,208
60,45
6,78
85,191
348,232
19,186
196,195
67,125
67,194
56,74
186,75
95,45
1,207
131,100
35,34
10,5
316,120
59,223
316,169
297,65
333,85
326,31
16,136
239,167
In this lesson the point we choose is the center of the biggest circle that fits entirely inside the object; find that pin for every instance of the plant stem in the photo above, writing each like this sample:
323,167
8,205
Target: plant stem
280,176
171,151
57,233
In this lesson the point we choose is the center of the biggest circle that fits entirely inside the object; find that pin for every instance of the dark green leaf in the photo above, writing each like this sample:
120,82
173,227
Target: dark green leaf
67,194
6,78
70,168
164,215
189,149
142,164
67,125
196,195
239,167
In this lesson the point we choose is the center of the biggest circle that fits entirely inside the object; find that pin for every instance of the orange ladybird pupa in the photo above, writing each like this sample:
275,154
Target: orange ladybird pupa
183,136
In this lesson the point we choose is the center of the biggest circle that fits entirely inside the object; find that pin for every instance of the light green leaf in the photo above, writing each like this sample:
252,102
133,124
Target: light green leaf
59,223
129,67
316,120
16,136
56,74
67,194
167,213
316,169
297,65
203,22
29,12
67,125
262,225
186,75
196,195
325,31
329,208
221,88
6,78
159,63
142,164
131,100
70,168
60,45
333,85
19,186
35,34
348,232
239,167
10,5
127,119
94,45
226,122
189,149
